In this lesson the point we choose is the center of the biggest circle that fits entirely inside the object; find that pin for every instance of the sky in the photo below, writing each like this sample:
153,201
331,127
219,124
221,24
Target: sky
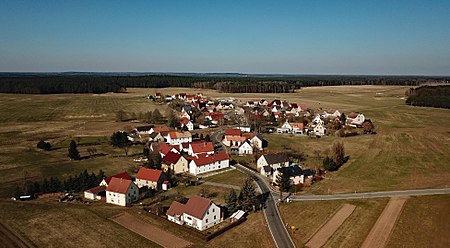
287,37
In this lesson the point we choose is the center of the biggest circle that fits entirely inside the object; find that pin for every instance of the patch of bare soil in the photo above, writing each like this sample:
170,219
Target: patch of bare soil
379,234
322,236
149,231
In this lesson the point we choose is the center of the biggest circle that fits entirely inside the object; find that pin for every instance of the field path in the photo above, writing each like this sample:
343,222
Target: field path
379,234
149,231
322,236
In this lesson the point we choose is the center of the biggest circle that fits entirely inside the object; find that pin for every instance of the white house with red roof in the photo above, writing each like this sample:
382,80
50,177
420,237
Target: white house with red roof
204,163
355,120
164,148
201,147
320,130
187,123
175,162
291,127
121,192
199,213
151,178
176,138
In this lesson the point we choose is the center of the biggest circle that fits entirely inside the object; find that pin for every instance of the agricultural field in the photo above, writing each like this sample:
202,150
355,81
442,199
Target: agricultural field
309,217
424,222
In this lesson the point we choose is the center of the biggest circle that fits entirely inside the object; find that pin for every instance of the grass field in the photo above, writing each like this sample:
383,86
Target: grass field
309,217
424,222
410,150
233,177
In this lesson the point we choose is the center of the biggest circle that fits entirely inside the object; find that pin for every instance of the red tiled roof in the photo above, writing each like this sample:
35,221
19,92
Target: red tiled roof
216,115
235,138
204,159
202,147
233,132
161,129
119,185
171,157
164,148
184,121
297,125
176,208
148,174
176,135
249,135
197,206
97,189
123,175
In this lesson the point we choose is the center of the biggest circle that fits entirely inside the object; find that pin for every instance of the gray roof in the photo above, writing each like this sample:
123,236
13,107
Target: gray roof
275,158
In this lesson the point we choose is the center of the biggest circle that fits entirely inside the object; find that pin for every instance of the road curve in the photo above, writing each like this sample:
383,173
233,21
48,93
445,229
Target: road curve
273,218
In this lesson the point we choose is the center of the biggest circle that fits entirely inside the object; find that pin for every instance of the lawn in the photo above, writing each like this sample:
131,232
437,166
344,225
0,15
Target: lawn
233,177
48,223
424,222
308,217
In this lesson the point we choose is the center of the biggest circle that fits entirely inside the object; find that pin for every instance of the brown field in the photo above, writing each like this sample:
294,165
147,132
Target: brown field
424,222
326,231
149,231
309,217
380,232
409,151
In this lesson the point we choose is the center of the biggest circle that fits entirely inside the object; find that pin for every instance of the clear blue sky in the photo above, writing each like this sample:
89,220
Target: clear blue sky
295,37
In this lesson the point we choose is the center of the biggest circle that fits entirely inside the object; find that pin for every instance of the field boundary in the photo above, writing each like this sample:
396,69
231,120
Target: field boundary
11,238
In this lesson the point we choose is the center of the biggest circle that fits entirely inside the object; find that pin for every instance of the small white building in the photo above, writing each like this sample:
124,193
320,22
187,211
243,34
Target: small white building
94,193
176,138
245,148
198,212
320,130
121,192
356,119
273,160
204,163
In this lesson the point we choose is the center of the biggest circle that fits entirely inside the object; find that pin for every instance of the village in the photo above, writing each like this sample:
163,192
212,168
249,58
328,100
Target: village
236,129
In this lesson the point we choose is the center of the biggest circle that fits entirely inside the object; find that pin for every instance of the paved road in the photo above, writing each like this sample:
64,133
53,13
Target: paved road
413,192
276,227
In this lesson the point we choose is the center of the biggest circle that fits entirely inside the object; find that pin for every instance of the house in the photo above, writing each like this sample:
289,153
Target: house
233,132
150,178
175,162
121,192
276,102
155,137
317,120
231,141
273,160
263,102
320,130
201,147
245,148
185,115
123,175
144,129
176,138
215,117
161,130
199,213
95,193
187,123
204,163
295,173
355,120
245,129
164,148
258,142
294,127
206,124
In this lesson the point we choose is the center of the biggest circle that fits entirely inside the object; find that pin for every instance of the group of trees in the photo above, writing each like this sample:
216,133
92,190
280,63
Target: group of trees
237,83
247,199
336,158
120,139
429,96
44,145
78,183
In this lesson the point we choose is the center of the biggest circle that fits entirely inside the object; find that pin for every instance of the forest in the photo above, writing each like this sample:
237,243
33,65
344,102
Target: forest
429,96
241,83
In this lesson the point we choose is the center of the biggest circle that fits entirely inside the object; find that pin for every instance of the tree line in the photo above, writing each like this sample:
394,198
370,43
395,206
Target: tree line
77,183
429,96
97,83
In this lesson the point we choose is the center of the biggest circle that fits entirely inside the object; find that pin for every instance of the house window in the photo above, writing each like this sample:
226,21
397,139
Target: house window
214,217
214,210
206,220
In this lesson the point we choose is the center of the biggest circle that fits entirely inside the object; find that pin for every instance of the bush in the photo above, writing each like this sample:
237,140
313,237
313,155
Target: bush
44,145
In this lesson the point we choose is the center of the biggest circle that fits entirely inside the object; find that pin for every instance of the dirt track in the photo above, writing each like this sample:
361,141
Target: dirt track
149,231
379,234
9,238
322,236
